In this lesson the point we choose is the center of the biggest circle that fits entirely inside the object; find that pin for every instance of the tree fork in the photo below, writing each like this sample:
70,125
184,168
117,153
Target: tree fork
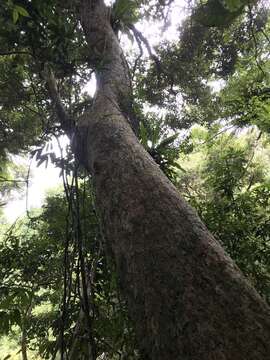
187,298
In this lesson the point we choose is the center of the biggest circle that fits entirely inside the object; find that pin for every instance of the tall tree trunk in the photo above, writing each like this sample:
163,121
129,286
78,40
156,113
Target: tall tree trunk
186,297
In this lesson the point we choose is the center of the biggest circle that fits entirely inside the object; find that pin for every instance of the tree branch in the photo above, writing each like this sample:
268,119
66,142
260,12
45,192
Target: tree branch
137,59
7,53
67,123
141,39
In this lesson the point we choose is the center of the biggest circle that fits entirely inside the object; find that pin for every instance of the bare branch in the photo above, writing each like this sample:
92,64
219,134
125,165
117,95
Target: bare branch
141,39
137,60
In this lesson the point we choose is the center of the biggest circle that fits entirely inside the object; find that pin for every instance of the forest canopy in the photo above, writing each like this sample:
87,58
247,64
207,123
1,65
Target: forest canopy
182,98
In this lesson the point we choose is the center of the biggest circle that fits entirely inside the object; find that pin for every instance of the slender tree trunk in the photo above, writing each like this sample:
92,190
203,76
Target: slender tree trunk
186,297
24,344
25,318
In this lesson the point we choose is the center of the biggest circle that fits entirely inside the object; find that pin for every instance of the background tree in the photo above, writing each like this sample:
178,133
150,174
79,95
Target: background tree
33,281
227,181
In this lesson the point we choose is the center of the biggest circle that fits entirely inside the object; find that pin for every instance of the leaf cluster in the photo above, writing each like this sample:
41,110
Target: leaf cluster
227,181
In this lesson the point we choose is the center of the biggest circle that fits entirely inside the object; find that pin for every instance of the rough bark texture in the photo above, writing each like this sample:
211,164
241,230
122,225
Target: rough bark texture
187,298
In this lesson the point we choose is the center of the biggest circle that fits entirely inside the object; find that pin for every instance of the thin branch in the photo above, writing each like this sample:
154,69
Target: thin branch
265,92
218,133
253,36
3,179
137,59
265,35
141,39
37,100
8,53
255,144
27,190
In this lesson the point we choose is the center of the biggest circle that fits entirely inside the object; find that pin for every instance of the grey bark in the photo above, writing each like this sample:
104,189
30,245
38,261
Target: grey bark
187,298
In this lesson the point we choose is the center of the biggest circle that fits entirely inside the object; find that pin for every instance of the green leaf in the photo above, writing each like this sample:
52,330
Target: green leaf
15,15
169,140
232,5
143,135
121,7
21,11
155,135
175,164
125,11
